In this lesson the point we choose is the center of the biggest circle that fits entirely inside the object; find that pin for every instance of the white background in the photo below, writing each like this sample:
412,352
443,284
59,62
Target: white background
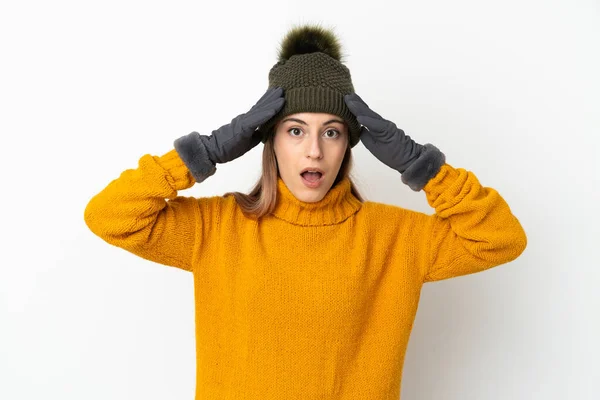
508,90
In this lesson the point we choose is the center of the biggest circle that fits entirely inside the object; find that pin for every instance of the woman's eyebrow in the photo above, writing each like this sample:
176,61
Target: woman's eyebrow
304,123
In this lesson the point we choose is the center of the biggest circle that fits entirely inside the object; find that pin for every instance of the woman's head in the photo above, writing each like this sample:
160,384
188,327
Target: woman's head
319,141
301,135
314,141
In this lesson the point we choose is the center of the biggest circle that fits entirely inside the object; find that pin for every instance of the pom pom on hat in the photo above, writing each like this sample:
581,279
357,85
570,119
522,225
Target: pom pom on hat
310,39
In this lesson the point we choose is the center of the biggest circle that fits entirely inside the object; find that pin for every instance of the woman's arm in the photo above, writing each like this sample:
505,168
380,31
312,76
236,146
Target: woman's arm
133,212
473,228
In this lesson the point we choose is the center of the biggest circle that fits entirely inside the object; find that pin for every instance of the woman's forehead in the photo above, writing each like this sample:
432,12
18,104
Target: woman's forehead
314,117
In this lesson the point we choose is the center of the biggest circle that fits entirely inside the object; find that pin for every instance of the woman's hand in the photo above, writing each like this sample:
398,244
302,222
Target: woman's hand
201,153
236,138
392,147
383,138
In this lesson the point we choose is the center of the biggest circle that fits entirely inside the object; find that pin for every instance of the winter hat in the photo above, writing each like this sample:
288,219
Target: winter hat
313,78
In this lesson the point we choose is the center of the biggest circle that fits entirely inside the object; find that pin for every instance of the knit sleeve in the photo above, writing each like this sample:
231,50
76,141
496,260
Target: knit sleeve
141,212
473,228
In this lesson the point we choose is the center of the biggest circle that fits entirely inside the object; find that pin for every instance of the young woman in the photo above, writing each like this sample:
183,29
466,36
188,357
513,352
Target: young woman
304,290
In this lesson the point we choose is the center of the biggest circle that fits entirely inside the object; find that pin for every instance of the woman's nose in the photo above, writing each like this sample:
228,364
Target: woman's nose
314,147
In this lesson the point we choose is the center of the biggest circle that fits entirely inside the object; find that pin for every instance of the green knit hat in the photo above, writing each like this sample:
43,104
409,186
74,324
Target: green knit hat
313,78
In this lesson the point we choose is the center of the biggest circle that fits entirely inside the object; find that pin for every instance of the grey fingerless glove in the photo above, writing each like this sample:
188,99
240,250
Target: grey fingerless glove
201,153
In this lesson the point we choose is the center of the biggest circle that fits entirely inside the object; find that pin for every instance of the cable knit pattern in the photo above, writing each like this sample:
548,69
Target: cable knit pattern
316,300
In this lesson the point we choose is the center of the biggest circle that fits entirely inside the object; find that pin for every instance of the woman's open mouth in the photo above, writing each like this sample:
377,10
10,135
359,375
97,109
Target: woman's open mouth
312,179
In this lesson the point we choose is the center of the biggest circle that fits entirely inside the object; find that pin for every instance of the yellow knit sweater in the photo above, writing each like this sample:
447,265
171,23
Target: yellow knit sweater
317,300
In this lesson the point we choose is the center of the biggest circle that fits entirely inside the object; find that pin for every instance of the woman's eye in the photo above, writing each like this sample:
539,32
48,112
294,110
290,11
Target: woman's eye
330,130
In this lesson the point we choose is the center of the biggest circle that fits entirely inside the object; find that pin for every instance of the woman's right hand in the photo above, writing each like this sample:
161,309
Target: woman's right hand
201,152
239,136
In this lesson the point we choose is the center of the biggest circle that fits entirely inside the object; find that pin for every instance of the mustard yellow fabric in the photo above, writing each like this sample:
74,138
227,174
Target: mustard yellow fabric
316,301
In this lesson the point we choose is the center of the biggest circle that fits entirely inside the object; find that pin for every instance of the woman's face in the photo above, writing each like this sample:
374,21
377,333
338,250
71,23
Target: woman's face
310,140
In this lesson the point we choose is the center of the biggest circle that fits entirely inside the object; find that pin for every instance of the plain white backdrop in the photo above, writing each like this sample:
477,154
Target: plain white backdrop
508,90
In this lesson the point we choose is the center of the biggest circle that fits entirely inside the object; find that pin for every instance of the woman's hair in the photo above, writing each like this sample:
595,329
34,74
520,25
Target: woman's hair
263,197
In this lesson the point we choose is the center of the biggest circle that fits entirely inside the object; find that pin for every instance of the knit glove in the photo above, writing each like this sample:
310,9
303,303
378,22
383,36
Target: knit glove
201,153
415,162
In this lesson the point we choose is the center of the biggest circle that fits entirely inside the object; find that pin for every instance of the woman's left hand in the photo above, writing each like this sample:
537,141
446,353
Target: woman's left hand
383,138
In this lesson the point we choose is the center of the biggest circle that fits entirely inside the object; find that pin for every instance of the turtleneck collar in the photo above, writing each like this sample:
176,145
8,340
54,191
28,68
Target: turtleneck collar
338,204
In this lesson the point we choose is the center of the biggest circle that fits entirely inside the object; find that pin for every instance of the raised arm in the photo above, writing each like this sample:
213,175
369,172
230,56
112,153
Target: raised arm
141,212
473,227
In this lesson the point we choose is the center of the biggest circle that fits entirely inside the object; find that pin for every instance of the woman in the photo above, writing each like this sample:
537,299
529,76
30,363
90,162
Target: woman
303,290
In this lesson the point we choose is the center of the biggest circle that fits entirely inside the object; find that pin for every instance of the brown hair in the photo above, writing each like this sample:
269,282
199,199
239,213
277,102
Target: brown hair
263,197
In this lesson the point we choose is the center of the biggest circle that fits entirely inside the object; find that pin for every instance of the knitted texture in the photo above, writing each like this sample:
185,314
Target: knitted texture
317,300
313,82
